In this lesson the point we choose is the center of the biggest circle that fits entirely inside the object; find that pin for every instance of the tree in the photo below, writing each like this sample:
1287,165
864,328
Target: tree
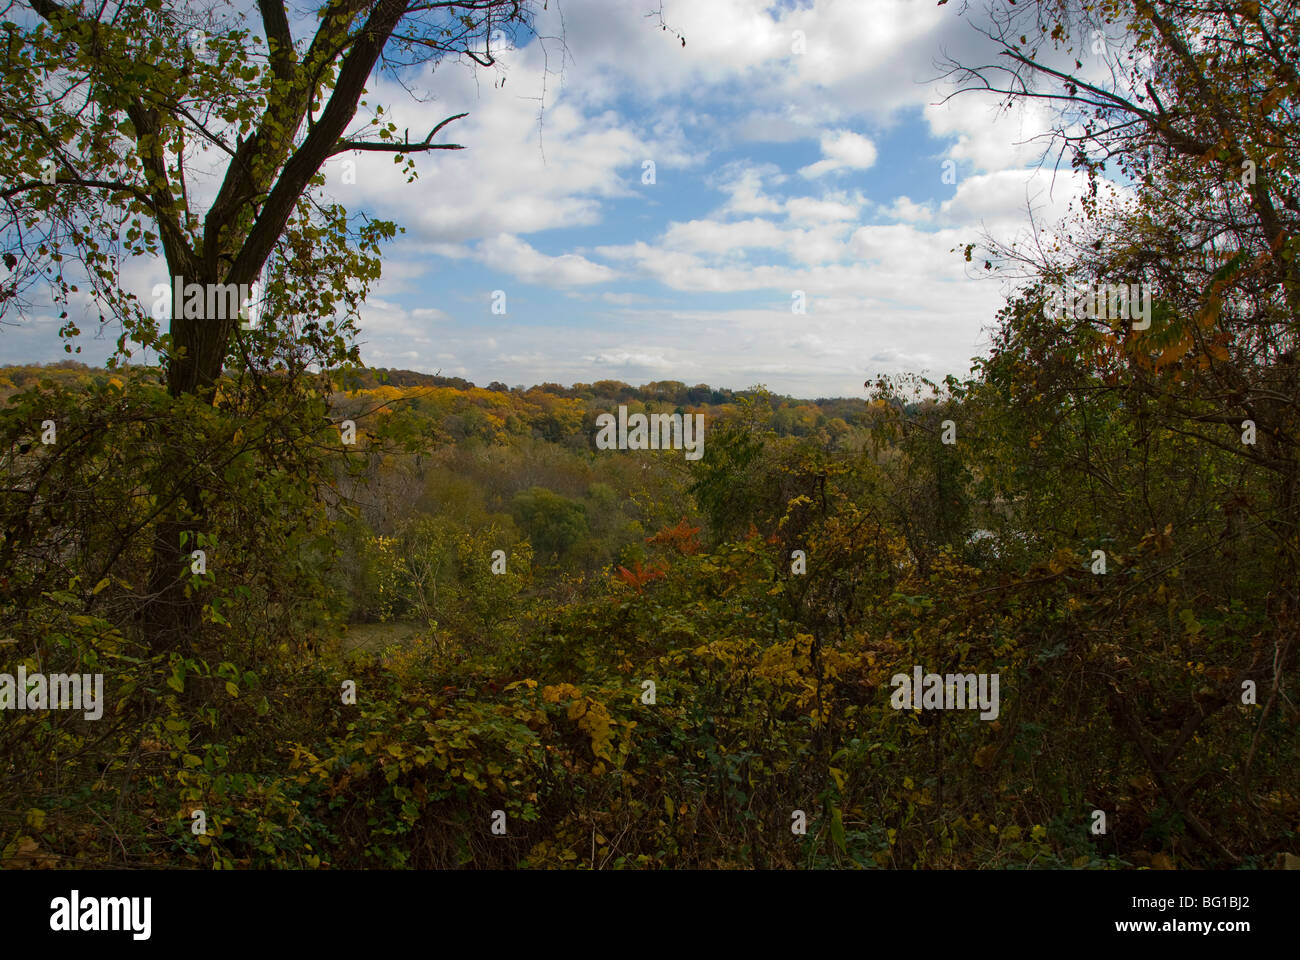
1130,438
554,523
1198,112
1199,115
110,112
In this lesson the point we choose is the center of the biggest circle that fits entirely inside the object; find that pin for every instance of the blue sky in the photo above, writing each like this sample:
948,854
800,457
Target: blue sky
777,170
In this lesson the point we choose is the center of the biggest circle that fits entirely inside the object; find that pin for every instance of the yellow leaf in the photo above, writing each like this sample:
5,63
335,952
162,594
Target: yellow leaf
597,723
563,691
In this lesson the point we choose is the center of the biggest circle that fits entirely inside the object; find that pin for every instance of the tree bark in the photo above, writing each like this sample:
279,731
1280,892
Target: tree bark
170,617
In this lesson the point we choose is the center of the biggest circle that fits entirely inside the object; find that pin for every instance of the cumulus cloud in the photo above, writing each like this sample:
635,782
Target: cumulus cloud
1003,200
745,187
514,256
904,209
821,210
706,259
842,150
718,238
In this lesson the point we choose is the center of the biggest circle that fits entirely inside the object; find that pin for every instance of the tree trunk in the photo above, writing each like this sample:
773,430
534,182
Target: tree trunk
170,618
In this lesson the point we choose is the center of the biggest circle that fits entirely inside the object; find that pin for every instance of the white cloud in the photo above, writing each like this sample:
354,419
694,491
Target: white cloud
904,209
624,299
641,361
842,150
714,237
830,351
516,175
522,261
1003,200
889,261
989,137
772,126
743,185
820,210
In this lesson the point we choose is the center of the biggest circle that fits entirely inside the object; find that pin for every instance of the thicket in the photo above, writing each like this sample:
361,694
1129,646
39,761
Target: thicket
524,691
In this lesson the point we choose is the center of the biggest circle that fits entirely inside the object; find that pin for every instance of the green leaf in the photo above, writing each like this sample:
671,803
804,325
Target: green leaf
837,828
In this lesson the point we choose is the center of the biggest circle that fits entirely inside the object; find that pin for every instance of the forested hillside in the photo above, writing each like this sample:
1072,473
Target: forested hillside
370,680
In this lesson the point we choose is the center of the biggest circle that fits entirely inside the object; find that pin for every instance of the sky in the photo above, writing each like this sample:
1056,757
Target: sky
658,211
